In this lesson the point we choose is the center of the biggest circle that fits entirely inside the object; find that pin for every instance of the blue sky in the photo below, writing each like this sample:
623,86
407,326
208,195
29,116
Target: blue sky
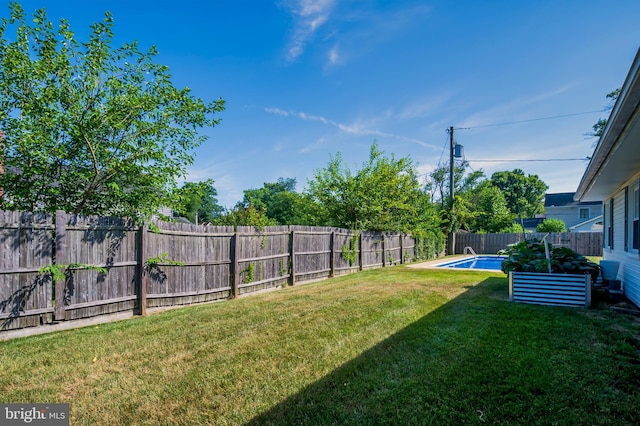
304,80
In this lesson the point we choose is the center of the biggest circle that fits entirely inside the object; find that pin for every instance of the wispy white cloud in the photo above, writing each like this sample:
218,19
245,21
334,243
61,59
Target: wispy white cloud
309,17
277,111
514,108
423,107
359,30
357,128
334,56
345,31
313,146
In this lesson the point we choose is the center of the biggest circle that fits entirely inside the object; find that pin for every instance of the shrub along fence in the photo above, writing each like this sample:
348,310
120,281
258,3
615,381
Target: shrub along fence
66,267
584,243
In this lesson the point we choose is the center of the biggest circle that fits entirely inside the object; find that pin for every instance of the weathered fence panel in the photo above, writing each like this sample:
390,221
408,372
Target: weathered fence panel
313,252
393,249
26,245
372,250
348,253
408,248
584,243
187,264
263,258
98,242
114,265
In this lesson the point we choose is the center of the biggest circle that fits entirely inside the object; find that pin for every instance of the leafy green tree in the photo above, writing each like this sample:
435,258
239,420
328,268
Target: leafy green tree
292,208
272,198
263,197
197,201
552,225
427,228
282,204
381,196
482,205
244,216
463,213
493,214
91,128
598,128
524,194
513,228
438,183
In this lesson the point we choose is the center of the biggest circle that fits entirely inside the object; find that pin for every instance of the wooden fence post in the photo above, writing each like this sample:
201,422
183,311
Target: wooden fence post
401,249
384,253
292,269
360,253
142,272
62,258
235,266
332,253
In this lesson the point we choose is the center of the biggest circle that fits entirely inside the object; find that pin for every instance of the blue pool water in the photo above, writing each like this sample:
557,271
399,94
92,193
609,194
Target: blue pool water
479,262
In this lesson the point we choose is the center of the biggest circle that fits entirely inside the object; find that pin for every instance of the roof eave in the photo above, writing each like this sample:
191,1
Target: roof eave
624,108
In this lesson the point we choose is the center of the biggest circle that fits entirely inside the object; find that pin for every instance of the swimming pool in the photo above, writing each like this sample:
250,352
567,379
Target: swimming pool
486,262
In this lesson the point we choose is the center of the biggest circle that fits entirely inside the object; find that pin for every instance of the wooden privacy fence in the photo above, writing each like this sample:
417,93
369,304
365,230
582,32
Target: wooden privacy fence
113,265
584,243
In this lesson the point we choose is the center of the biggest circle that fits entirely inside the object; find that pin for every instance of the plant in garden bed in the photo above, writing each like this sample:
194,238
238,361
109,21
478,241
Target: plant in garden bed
530,256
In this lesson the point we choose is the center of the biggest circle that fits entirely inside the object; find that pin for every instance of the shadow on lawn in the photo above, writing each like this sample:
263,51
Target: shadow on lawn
476,359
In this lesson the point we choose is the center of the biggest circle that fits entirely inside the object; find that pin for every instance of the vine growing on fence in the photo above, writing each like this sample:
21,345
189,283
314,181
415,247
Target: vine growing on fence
284,266
58,270
349,251
250,273
162,258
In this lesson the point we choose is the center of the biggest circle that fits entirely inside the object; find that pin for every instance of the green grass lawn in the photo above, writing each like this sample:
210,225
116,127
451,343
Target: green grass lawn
388,346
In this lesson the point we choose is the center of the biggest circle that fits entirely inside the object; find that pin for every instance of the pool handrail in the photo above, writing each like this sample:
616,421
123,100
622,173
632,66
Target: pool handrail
468,249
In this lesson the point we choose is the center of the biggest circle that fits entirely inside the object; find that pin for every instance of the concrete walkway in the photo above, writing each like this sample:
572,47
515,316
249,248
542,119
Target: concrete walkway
434,262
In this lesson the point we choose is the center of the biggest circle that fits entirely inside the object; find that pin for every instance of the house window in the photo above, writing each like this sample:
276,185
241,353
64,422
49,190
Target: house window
636,216
584,213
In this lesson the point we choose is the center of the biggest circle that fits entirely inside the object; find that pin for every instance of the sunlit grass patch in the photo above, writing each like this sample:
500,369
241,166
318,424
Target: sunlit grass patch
387,346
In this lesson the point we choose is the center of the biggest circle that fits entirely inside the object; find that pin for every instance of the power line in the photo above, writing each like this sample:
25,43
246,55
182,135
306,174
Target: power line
507,160
529,120
444,148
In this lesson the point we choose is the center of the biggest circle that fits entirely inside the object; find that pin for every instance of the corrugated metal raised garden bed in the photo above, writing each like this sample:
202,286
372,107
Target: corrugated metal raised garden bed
550,289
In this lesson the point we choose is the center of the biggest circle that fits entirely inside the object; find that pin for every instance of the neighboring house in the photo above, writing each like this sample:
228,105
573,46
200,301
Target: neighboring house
592,225
613,175
578,216
529,223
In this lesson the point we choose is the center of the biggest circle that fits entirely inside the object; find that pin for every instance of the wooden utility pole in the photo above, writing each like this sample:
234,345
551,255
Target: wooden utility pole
452,145
451,240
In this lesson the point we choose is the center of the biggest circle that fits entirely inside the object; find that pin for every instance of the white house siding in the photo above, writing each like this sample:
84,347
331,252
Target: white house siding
629,272
618,220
